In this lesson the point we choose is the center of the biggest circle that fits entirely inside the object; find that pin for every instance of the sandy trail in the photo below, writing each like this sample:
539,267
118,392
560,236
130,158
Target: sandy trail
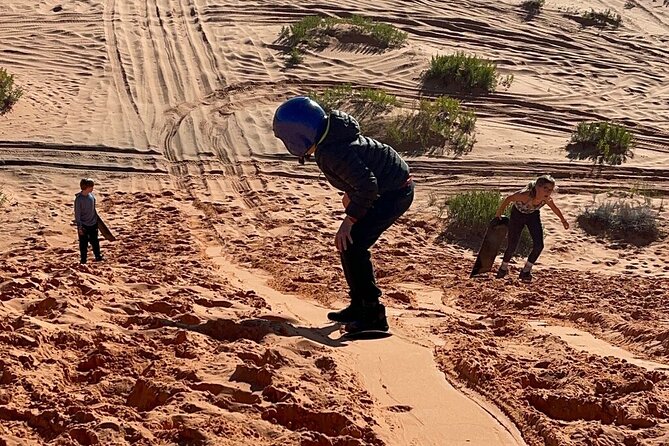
422,408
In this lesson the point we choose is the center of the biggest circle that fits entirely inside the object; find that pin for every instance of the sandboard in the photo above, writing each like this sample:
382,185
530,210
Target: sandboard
366,334
104,230
492,241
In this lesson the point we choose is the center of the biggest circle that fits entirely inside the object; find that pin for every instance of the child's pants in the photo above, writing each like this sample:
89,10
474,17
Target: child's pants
356,260
90,235
517,222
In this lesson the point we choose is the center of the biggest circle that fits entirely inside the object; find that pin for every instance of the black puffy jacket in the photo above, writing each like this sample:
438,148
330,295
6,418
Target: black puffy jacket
362,167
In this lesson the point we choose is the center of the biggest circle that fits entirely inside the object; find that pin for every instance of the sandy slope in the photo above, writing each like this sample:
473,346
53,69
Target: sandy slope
168,104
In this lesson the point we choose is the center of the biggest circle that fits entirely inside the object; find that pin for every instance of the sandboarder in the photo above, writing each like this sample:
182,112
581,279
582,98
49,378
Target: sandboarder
86,218
377,188
525,212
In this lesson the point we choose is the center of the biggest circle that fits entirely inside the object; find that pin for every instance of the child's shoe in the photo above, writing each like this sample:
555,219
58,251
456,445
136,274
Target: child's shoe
526,276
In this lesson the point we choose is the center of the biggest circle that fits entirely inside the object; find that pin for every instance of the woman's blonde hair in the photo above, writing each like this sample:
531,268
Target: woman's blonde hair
540,181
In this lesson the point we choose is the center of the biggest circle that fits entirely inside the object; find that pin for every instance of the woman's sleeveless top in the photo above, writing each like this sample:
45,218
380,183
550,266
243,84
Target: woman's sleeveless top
526,207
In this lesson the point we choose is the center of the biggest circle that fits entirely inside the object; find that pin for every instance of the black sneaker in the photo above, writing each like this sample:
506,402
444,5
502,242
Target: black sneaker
501,273
348,314
373,318
526,276
100,259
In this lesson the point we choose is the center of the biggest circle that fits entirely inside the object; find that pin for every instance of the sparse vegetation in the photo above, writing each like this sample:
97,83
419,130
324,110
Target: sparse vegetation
9,94
601,142
387,36
462,72
532,6
378,99
602,18
333,97
638,190
312,31
631,221
295,58
468,215
439,125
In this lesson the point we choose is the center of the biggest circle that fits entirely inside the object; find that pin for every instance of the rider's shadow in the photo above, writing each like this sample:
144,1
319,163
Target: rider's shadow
257,329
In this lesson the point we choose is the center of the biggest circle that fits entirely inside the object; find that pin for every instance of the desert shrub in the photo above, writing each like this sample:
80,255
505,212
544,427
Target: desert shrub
468,215
602,18
440,124
311,31
631,221
533,6
301,31
378,99
601,142
9,93
386,36
639,190
295,57
333,97
462,72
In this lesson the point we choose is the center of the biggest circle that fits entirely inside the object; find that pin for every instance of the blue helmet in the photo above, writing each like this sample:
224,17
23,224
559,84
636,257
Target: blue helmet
299,122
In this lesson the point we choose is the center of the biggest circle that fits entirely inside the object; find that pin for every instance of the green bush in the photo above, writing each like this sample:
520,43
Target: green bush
312,31
440,124
301,32
468,215
333,97
370,99
295,57
602,18
601,142
9,94
532,6
385,35
630,221
377,99
467,73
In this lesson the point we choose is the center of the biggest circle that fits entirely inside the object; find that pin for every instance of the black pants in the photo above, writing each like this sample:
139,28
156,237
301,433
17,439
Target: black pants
356,260
90,235
517,222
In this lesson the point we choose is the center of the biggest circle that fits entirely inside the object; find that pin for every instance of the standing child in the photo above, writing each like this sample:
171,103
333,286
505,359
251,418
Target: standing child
86,219
377,191
525,212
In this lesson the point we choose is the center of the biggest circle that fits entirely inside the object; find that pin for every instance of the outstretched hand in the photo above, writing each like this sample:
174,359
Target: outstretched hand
343,237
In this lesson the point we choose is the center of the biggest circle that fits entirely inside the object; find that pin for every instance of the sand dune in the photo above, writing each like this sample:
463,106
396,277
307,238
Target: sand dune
206,324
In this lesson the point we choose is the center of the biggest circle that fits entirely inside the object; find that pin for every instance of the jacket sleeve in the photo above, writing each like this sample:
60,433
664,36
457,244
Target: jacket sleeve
347,166
77,212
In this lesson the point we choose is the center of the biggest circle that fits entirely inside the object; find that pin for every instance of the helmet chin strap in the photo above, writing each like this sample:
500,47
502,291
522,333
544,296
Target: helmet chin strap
313,148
